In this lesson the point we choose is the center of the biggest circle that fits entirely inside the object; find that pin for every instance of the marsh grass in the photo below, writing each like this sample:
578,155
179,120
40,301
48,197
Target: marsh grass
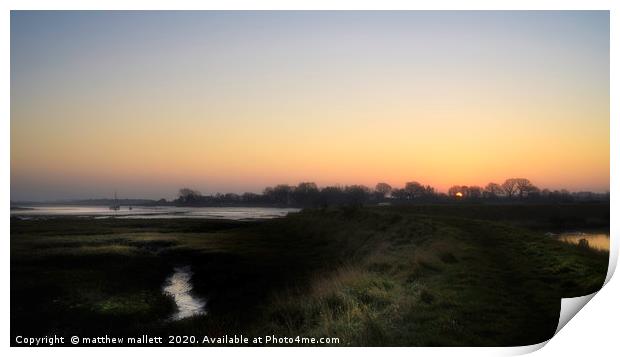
370,276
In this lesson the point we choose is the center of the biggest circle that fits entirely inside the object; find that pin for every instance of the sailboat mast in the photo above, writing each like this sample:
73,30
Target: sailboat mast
115,206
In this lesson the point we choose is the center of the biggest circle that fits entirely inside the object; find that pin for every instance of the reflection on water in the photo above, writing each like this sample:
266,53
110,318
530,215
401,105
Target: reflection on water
137,212
599,241
179,286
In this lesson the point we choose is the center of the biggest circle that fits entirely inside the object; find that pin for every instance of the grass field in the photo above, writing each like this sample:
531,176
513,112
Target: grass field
444,275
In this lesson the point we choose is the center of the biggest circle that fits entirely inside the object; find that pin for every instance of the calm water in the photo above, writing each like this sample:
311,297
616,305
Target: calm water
141,212
599,241
179,286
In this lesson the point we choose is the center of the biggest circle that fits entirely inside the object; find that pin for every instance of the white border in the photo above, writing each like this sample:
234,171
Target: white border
593,331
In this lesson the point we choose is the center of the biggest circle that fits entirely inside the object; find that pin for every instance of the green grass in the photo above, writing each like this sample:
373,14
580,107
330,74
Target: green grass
413,276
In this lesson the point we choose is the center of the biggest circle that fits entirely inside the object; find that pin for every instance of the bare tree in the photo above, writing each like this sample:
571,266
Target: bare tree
414,189
474,191
456,191
306,193
510,187
332,195
280,194
492,190
399,193
524,187
357,194
382,189
187,195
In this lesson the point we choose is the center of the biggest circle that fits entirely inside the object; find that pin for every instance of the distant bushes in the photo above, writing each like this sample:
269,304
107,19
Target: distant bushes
308,194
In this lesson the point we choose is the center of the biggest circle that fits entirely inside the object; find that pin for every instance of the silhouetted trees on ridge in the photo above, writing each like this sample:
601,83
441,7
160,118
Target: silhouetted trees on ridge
308,194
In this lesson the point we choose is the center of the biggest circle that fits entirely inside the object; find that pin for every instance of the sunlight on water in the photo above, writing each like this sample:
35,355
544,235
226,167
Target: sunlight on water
179,286
599,241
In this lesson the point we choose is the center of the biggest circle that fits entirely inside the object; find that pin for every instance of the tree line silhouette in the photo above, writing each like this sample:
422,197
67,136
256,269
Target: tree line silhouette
308,194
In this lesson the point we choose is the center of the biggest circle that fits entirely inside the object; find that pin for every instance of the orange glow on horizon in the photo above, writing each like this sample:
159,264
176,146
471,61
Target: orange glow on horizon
222,107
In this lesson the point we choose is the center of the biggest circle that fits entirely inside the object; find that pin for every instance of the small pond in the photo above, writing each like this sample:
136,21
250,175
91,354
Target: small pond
179,286
597,241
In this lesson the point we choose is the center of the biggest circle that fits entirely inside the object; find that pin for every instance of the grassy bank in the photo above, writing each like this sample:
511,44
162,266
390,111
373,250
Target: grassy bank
413,276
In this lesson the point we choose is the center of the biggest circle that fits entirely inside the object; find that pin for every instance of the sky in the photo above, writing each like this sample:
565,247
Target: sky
144,103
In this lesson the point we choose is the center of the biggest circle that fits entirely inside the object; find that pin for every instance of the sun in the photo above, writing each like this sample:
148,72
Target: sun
459,194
